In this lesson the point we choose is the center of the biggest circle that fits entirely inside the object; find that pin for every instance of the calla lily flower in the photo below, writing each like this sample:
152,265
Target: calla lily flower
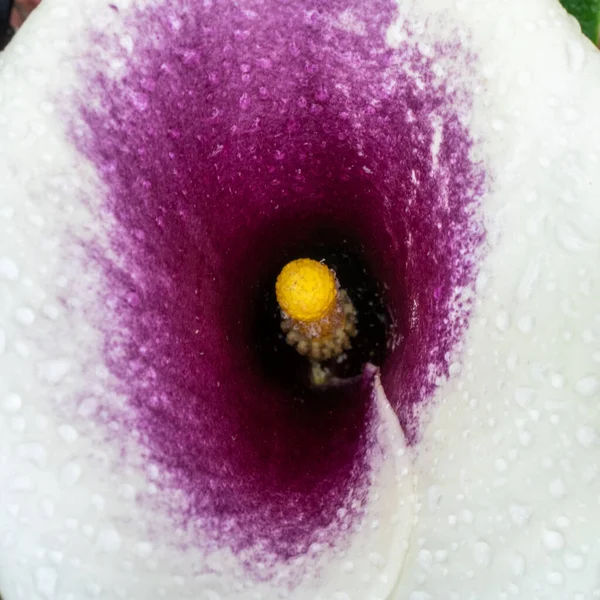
161,163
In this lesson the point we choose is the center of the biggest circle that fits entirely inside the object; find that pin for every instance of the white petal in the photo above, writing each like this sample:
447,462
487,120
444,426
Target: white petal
508,489
510,449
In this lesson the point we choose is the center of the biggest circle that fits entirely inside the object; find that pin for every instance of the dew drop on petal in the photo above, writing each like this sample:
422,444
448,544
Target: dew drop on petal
12,403
555,578
34,452
53,371
482,553
553,540
45,581
518,565
425,559
8,269
573,561
587,386
109,540
557,488
419,595
144,549
519,514
586,436
70,474
47,508
21,483
68,433
576,55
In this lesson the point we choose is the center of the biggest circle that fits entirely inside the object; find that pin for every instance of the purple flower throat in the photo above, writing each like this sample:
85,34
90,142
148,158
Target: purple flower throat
243,135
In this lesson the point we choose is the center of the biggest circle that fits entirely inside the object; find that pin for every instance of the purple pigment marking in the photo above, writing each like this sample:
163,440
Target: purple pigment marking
237,128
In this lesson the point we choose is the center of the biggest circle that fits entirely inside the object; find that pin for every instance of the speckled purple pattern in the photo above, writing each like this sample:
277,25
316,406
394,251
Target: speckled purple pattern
238,129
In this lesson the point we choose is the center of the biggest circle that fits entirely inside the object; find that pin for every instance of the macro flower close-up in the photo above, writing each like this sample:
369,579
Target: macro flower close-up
299,299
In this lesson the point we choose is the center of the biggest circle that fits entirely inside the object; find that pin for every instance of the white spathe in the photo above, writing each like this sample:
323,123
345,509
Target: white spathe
505,485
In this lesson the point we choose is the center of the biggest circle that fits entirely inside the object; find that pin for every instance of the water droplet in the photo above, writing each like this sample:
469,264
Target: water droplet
376,559
244,101
144,549
68,434
528,281
557,489
563,522
348,567
576,55
586,436
127,491
33,452
571,115
93,589
552,540
18,424
53,371
555,578
573,561
12,403
88,530
45,581
21,483
210,595
501,465
587,386
71,523
524,397
264,63
482,553
525,438
70,474
109,540
441,556
525,324
8,269
434,496
570,237
544,162
98,502
419,595
518,565
519,514
467,516
88,407
425,559
47,507
502,321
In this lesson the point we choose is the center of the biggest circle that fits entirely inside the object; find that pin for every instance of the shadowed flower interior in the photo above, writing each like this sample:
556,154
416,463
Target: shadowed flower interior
239,136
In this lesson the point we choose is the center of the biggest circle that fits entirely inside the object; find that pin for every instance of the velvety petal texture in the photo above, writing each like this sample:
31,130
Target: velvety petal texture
228,147
160,163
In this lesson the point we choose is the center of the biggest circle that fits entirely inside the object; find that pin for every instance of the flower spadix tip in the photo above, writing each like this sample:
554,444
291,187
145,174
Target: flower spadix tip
306,290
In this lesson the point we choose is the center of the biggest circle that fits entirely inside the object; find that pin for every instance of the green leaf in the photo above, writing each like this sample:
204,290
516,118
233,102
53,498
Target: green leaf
587,12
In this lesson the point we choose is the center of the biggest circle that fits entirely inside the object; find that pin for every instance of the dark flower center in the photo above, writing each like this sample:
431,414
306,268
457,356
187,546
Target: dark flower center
344,256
